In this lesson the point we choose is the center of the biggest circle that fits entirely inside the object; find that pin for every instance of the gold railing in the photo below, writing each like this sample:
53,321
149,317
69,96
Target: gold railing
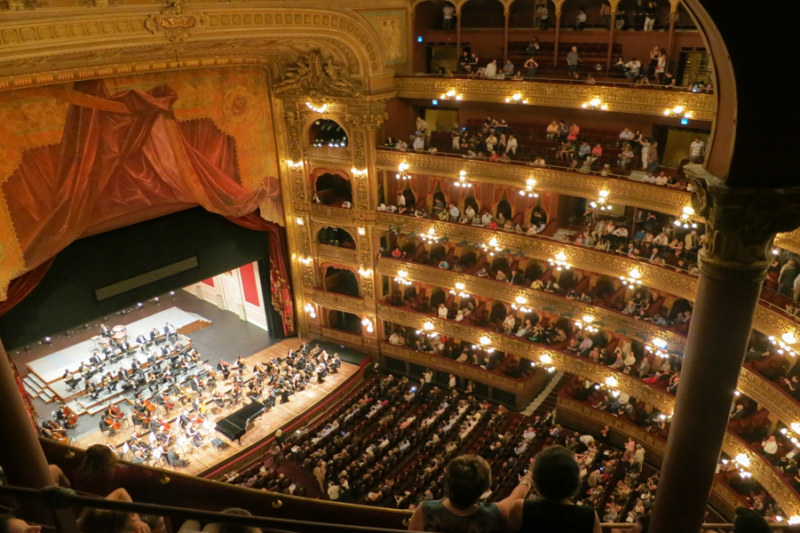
621,191
762,471
619,99
765,320
337,253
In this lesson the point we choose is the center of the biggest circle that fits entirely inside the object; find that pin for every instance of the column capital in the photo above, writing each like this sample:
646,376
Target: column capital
741,224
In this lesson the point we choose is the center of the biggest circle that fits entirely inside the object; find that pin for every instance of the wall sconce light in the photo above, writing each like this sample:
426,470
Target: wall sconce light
612,382
586,324
528,190
484,340
428,326
459,290
300,221
545,359
462,180
317,109
401,278
492,247
657,346
743,460
294,164
357,172
685,219
311,310
601,201
520,305
784,343
633,279
429,236
516,98
678,111
362,231
560,261
451,94
595,103
403,172
367,323
365,272
305,260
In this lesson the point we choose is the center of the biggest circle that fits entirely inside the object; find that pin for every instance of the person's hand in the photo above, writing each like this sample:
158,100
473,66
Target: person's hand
15,525
139,526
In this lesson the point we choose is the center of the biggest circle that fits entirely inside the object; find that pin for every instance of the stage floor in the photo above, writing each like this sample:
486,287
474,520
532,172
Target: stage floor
277,417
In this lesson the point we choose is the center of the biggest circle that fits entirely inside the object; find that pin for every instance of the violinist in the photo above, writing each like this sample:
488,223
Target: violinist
241,365
193,436
184,420
218,399
151,381
255,391
237,394
225,368
155,423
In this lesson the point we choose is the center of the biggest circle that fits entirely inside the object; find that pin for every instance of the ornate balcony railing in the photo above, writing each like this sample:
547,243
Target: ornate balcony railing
762,471
621,190
641,101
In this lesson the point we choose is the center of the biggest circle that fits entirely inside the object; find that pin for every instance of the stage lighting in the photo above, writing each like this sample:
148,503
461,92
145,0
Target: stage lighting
172,293
140,305
156,299
48,340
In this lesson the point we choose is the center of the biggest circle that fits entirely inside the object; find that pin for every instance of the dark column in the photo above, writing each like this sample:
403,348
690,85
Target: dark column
740,225
611,29
672,16
558,31
507,14
458,33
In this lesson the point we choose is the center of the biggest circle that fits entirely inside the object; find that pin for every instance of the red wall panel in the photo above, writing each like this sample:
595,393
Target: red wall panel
249,284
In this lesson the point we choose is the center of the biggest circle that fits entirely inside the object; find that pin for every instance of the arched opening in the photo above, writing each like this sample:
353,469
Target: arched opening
439,200
409,196
333,189
340,281
498,313
538,214
504,207
604,288
470,201
483,14
326,132
567,279
335,237
437,253
345,322
466,257
533,270
438,296
523,14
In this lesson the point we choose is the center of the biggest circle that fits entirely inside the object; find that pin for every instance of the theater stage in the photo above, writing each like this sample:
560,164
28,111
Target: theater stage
279,416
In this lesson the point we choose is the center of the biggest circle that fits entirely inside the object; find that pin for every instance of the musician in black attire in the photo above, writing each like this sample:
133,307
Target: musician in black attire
105,331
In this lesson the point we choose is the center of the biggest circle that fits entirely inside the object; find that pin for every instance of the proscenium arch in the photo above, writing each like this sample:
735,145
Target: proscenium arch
68,57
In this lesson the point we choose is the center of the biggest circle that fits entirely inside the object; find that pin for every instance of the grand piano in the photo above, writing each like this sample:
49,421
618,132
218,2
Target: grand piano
235,425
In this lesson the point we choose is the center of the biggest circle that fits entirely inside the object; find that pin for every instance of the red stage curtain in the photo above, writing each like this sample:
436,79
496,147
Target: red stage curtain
22,286
112,164
280,282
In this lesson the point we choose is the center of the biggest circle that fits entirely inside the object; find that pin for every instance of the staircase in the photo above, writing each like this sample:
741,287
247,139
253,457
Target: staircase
37,388
546,400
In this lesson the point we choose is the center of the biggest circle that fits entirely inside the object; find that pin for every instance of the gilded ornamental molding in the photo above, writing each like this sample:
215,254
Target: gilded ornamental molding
330,215
762,471
621,191
608,319
789,241
769,396
444,364
613,265
338,302
619,99
337,254
343,336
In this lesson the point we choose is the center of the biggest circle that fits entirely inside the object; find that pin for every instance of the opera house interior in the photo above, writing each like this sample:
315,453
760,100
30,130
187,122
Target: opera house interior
351,265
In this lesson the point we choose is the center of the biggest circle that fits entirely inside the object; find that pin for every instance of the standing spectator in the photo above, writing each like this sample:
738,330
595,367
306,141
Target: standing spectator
448,11
333,489
541,13
652,158
580,20
655,53
419,143
319,473
455,136
786,278
650,16
530,68
661,67
422,127
572,61
452,382
605,15
645,144
491,70
511,147
697,150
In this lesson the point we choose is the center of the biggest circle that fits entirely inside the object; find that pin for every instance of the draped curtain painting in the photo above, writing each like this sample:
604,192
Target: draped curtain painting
130,154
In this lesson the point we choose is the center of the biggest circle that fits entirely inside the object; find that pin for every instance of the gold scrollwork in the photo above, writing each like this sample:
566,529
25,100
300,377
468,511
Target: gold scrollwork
338,302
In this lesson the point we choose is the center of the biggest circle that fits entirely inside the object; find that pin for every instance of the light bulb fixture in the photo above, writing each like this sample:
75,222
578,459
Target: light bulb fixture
678,111
545,359
794,520
528,190
462,180
775,251
305,260
317,109
300,221
520,305
633,279
451,94
612,382
657,347
492,247
429,236
367,323
585,324
602,201
402,278
357,172
685,219
312,312
428,326
294,164
743,460
459,290
560,261
362,230
784,343
403,174
595,103
516,98
484,340
365,272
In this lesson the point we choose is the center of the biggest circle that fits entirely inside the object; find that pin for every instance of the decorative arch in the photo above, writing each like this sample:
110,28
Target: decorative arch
314,117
